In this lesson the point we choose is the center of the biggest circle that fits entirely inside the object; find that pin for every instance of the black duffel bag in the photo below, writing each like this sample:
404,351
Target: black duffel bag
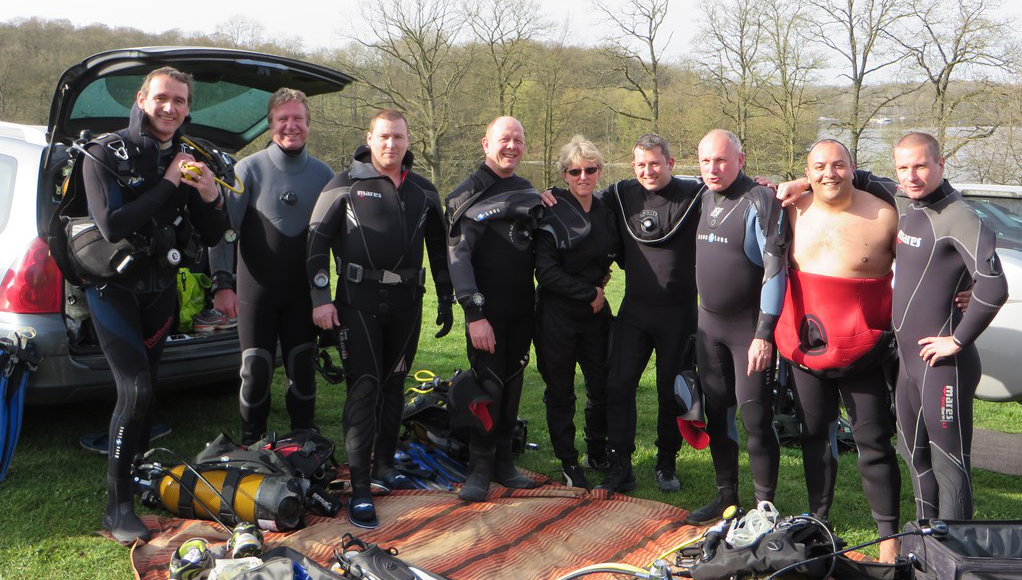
971,550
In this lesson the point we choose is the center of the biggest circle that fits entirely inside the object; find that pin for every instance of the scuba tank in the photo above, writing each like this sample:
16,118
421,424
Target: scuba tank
229,495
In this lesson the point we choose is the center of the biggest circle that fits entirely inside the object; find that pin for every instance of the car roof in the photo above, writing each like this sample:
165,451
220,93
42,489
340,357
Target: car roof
35,134
987,190
231,90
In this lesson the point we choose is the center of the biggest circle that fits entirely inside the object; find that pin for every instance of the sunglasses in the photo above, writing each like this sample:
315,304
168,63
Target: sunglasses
578,171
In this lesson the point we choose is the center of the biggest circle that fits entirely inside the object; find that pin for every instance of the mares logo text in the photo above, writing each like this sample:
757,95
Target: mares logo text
363,193
947,406
913,241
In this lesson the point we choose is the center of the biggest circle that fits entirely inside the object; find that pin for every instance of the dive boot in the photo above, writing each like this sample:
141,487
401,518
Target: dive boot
504,471
620,477
120,519
361,510
478,482
598,461
393,479
666,475
726,496
575,476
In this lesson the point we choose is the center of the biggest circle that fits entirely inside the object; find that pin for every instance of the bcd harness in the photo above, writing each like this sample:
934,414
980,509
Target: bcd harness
82,254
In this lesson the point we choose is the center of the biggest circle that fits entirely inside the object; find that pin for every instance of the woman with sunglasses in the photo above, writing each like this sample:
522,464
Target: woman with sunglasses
575,246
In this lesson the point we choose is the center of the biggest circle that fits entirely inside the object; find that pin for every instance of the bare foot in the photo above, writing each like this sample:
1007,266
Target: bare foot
889,551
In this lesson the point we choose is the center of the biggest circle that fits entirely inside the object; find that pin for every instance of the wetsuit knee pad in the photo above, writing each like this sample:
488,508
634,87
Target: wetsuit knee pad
301,373
256,375
142,398
757,415
364,388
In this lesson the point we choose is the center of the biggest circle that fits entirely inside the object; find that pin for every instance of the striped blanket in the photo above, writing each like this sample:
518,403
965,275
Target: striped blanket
517,534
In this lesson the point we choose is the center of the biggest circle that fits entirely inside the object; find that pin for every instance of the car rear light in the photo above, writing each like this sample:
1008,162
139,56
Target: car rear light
33,285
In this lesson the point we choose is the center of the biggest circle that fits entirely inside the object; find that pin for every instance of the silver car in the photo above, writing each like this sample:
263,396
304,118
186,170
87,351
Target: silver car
231,91
1000,206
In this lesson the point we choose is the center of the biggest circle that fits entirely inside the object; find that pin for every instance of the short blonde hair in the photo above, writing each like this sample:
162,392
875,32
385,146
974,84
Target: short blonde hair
284,95
577,150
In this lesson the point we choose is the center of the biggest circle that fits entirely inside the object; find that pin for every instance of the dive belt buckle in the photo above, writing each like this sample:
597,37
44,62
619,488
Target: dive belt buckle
353,272
388,277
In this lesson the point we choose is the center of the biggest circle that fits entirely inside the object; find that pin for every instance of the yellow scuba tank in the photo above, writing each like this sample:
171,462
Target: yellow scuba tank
272,502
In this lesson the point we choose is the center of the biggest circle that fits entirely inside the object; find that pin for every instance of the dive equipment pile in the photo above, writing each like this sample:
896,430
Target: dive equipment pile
198,559
18,360
439,413
270,483
764,546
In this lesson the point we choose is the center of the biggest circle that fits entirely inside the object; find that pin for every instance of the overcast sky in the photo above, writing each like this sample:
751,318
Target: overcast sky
327,23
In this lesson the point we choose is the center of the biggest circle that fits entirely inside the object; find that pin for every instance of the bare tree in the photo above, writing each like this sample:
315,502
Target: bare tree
732,60
637,48
793,65
952,40
859,32
505,30
561,97
240,31
415,66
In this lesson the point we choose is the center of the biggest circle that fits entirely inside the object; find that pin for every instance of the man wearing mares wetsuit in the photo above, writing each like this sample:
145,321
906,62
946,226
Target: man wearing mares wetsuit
835,330
943,247
740,274
491,217
282,183
374,218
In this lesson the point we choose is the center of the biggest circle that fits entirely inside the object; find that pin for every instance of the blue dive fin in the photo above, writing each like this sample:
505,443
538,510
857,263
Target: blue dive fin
14,407
21,361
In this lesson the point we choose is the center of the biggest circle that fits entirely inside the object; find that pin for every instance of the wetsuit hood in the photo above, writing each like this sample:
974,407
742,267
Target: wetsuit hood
566,220
138,131
362,163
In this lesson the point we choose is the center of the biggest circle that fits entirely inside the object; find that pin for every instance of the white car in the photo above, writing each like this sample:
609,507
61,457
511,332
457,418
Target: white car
232,88
1000,206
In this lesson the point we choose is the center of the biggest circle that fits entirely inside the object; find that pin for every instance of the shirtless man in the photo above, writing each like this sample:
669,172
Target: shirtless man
835,329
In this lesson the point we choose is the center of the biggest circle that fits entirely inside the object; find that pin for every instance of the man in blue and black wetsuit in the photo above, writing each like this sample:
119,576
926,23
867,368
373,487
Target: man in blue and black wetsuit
282,183
943,248
374,218
133,314
740,273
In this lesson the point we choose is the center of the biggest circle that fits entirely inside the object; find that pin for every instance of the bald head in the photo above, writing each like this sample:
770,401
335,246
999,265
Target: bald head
504,145
830,145
720,159
917,139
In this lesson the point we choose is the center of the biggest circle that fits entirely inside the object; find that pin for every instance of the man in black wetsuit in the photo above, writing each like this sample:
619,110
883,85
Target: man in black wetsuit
491,218
374,218
282,184
943,247
740,273
133,314
657,217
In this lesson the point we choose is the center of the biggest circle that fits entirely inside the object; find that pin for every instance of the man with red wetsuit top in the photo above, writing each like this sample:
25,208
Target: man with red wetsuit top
835,329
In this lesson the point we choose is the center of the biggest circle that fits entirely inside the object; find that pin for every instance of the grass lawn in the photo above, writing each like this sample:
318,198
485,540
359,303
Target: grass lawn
51,503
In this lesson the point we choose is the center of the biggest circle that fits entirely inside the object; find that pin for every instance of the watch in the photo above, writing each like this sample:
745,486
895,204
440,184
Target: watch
477,300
